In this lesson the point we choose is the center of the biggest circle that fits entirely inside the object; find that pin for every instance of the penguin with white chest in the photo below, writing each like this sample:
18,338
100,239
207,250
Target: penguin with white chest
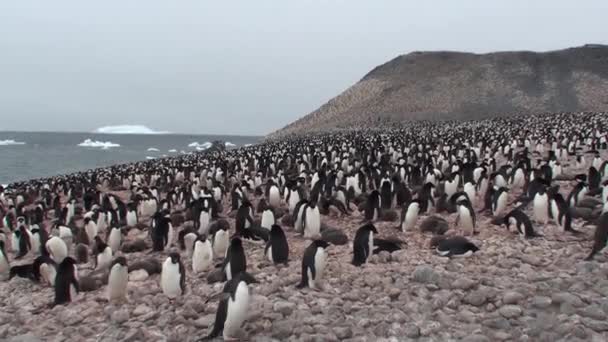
236,261
561,213
409,216
277,249
363,244
313,264
202,257
541,206
311,221
499,201
103,254
233,308
466,217
221,239
4,263
90,228
24,242
268,219
521,224
44,270
173,276
118,280
115,239
66,282
57,249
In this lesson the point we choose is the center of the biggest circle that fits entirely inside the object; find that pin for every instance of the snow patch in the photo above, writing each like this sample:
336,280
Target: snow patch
127,129
10,142
102,144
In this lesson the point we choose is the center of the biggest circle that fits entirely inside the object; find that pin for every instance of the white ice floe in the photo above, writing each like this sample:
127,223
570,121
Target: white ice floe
247,145
172,151
102,144
9,142
150,158
229,144
153,149
127,129
200,147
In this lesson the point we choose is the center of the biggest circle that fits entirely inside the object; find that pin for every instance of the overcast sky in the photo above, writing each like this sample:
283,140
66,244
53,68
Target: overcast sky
240,67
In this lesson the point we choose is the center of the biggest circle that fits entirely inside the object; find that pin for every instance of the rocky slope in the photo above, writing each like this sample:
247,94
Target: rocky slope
457,85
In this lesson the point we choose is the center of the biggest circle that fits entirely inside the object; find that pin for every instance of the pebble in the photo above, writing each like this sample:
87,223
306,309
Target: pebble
120,316
510,311
512,297
425,274
283,307
476,298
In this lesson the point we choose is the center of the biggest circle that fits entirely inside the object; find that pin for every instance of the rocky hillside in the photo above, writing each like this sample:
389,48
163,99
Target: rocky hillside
458,85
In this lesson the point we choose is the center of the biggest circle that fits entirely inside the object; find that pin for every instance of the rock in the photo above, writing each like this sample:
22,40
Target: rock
25,338
476,298
434,225
215,276
411,331
70,317
150,265
282,329
541,302
205,321
512,297
425,274
384,257
138,275
285,308
476,338
593,311
463,284
499,323
597,326
343,332
565,297
502,336
120,316
334,236
138,245
510,311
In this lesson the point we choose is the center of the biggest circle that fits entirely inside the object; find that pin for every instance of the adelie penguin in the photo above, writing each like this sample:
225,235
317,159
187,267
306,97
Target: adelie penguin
66,282
454,246
600,238
521,224
220,239
4,264
202,257
409,216
103,254
57,249
561,213
373,206
44,270
277,249
363,244
541,206
173,277
115,239
311,219
313,264
466,217
118,280
232,309
499,201
236,260
24,243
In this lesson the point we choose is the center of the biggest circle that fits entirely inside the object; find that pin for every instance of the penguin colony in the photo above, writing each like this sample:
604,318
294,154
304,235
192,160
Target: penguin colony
201,215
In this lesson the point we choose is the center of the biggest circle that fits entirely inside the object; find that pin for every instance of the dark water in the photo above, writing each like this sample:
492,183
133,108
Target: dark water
47,154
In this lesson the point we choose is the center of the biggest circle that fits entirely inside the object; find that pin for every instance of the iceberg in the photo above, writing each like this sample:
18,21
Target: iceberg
103,144
153,149
127,129
200,147
172,151
229,144
246,145
10,142
150,158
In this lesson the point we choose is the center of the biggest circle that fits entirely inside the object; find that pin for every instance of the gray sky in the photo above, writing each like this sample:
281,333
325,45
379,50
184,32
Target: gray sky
240,67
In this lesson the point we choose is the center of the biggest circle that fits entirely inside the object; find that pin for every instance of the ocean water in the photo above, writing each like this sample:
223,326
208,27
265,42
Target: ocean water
28,155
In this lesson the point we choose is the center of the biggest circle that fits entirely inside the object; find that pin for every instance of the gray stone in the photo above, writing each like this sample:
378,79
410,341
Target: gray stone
598,326
25,338
497,323
205,321
120,316
463,284
343,332
282,329
510,311
141,309
512,297
476,298
284,307
565,297
425,274
541,302
476,338
593,311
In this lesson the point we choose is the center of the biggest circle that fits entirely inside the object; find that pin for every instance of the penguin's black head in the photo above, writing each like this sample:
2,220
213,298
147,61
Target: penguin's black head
87,220
21,220
472,247
236,241
246,277
67,262
121,260
321,243
275,229
370,227
175,257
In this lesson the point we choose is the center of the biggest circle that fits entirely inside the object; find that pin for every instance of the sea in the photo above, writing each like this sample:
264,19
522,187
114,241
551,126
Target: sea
30,155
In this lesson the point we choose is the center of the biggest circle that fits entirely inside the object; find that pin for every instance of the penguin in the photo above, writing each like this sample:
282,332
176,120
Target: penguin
161,232
561,213
131,217
44,270
277,249
173,276
202,256
268,219
189,239
81,252
204,220
24,243
409,215
363,244
90,228
372,206
232,309
600,238
103,254
38,238
221,239
313,264
579,192
274,196
236,260
66,282
499,201
4,263
469,189
456,246
541,206
311,221
466,217
115,239
521,223
117,280
57,249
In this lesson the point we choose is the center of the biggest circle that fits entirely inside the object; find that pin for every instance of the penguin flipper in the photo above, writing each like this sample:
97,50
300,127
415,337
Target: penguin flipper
220,318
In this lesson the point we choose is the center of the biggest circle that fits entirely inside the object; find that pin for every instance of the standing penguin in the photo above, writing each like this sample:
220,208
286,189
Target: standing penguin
236,260
499,201
202,257
363,245
372,206
267,218
90,228
311,219
44,270
521,222
466,217
161,228
313,264
131,217
103,254
277,249
600,238
541,206
409,216
561,213
24,242
118,279
57,249
66,282
38,238
4,264
232,309
115,239
173,276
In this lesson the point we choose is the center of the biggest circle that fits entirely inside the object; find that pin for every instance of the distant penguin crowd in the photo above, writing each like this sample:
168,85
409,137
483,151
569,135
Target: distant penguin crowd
200,213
